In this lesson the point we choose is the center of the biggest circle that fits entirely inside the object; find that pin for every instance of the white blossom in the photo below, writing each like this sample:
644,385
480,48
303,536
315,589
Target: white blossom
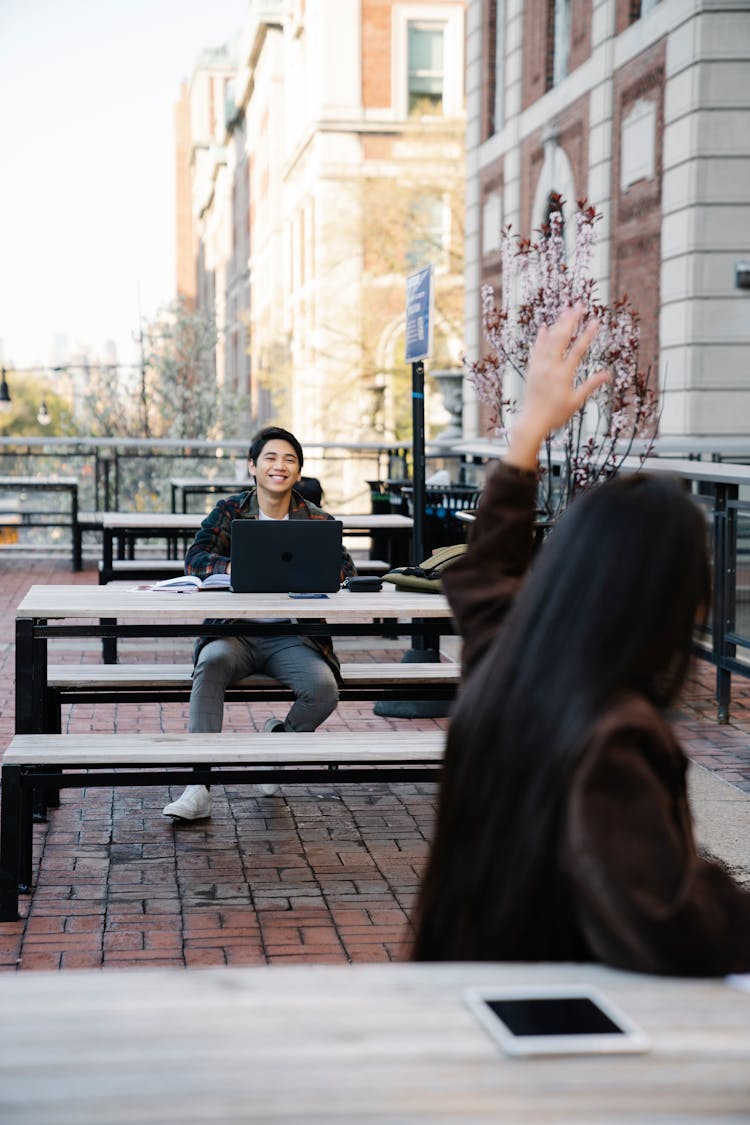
594,443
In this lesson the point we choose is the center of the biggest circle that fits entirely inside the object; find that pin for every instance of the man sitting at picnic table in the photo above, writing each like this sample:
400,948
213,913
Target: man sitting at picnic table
306,665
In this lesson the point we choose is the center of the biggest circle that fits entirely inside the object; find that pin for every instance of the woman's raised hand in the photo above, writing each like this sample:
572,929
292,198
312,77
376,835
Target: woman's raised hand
551,398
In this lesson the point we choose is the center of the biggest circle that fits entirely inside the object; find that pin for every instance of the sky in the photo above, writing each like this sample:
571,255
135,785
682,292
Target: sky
87,198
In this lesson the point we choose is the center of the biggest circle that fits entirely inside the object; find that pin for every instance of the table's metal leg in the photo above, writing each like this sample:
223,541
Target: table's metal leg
38,805
425,649
49,796
24,676
31,678
25,837
76,531
109,644
105,572
9,843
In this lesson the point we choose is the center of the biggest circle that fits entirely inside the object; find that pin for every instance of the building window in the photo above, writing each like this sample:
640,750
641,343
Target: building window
638,144
492,220
426,77
499,67
639,8
427,58
561,40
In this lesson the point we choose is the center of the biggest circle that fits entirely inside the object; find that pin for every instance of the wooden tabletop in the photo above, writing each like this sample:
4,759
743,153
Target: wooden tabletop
352,1045
175,521
126,601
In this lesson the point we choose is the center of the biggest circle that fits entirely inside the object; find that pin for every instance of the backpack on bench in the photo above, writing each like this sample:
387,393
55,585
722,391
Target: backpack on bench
426,576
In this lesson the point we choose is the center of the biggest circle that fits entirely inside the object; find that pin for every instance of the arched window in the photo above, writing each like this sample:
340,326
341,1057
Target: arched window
555,205
555,179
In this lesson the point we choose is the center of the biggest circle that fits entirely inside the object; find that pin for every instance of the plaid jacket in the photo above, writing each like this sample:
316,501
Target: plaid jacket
210,552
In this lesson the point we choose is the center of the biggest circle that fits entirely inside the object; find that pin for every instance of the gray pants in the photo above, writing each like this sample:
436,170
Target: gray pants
288,659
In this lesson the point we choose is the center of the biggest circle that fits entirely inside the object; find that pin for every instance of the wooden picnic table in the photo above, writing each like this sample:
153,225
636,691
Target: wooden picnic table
50,484
387,1044
116,610
126,528
183,487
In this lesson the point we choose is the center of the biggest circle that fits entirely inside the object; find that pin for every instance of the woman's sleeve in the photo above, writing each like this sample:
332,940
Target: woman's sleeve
481,585
646,900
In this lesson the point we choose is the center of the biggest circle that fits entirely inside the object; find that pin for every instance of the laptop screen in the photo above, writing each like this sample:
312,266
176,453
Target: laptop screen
284,556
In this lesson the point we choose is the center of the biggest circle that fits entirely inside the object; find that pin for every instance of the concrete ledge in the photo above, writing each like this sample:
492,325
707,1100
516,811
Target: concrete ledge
721,814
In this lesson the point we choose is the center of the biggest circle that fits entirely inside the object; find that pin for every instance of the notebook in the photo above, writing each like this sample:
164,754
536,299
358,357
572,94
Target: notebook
284,556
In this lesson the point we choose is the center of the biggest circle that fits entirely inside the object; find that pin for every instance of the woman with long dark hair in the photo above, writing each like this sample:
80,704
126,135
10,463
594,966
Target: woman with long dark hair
563,829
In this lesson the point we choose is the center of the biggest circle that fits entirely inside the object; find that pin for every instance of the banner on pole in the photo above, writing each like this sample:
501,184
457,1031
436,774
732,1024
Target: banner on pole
419,303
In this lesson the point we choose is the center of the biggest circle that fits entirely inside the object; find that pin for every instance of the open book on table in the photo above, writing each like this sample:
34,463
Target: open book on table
187,583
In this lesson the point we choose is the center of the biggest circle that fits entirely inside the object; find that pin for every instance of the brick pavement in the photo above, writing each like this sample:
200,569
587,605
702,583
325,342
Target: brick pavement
322,873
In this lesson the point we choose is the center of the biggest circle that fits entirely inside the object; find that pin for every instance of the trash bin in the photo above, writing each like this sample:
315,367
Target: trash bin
441,526
380,497
398,503
380,504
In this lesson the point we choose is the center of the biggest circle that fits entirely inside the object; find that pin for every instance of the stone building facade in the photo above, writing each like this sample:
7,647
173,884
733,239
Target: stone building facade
336,169
642,106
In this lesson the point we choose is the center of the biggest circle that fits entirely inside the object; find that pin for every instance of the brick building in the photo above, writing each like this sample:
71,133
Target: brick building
642,107
335,168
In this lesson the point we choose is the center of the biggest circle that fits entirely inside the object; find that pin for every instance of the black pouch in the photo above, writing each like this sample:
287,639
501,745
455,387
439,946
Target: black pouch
364,583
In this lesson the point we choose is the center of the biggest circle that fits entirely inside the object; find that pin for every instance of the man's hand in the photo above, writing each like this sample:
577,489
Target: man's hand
551,399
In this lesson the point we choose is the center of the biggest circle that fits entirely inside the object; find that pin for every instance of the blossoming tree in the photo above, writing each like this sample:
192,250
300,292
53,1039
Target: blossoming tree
537,284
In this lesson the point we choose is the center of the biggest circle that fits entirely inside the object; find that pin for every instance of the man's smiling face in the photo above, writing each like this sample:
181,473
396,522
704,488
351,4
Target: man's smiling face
277,469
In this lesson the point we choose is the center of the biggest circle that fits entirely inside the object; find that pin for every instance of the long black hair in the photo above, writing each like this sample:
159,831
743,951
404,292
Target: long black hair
608,608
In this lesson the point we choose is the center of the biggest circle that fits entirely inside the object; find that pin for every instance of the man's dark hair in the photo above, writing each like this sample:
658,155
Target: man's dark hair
273,433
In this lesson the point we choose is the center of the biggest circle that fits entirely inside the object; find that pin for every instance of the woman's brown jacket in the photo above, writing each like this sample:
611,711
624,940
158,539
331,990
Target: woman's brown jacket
644,899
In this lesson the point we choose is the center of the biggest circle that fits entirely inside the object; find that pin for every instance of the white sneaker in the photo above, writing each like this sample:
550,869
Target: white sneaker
194,804
271,726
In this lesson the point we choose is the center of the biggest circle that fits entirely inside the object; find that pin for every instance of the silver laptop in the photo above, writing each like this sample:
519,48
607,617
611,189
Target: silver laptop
286,556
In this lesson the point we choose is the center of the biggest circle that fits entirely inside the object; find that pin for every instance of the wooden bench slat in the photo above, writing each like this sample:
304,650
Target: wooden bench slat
128,566
294,748
106,676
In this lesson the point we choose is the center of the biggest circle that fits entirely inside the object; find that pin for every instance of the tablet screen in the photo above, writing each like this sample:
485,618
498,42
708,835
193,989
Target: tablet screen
555,1019
560,1015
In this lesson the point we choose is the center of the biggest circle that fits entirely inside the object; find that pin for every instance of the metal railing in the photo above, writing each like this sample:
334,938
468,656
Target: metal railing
117,474
124,474
722,489
131,475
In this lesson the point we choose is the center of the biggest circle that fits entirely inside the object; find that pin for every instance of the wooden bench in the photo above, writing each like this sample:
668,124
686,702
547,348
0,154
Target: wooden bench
177,759
142,570
153,570
170,683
